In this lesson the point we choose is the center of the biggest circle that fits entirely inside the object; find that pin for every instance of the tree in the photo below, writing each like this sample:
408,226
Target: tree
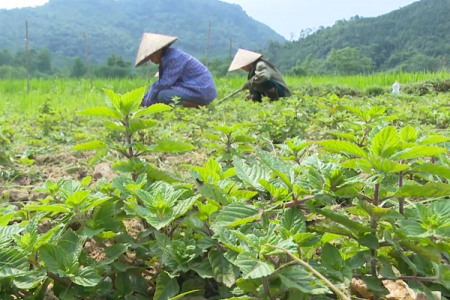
44,61
79,68
348,61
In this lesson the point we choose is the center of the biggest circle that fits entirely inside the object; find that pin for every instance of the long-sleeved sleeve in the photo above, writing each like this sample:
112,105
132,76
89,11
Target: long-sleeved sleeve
172,70
262,74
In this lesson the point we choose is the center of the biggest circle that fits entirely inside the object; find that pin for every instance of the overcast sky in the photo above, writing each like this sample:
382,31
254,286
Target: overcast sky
286,16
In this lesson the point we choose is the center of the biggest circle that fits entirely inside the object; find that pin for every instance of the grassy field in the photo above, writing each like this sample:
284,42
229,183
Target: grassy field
339,191
62,90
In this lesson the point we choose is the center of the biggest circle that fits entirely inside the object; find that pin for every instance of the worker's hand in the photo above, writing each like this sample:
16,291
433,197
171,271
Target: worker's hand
244,88
248,97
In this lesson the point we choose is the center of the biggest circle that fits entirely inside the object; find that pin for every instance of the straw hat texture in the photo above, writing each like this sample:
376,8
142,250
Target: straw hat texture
243,58
150,43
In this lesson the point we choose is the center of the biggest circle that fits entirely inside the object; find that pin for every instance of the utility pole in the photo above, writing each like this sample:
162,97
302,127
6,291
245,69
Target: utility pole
87,59
27,57
207,44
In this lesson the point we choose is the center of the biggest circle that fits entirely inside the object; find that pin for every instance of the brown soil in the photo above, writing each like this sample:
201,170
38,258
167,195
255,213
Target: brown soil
95,251
398,290
134,227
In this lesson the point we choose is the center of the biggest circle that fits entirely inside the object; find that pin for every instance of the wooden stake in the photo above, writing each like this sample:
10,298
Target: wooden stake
231,48
207,44
87,60
27,58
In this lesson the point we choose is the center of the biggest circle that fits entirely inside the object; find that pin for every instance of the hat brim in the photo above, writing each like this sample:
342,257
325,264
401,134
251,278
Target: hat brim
147,56
243,58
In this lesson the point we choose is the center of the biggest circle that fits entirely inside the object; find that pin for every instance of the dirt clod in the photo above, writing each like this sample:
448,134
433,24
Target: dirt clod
103,170
18,195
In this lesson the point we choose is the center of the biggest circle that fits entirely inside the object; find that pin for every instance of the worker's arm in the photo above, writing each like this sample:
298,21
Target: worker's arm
261,75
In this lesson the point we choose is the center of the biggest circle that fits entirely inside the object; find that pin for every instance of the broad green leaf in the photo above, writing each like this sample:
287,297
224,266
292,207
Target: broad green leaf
388,166
113,100
296,279
54,258
171,146
355,110
431,190
101,111
245,148
293,221
369,240
284,171
4,220
155,108
113,253
31,280
433,169
214,193
386,142
94,145
429,252
204,269
344,220
418,151
212,137
434,139
115,126
223,270
252,267
250,175
375,285
236,214
408,135
139,125
166,287
180,296
444,275
331,258
347,136
130,101
242,139
77,198
343,147
87,277
358,163
53,208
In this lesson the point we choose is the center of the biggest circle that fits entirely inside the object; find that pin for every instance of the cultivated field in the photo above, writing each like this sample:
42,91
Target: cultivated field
340,191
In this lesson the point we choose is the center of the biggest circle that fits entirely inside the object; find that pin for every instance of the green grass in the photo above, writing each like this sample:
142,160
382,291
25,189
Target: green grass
74,93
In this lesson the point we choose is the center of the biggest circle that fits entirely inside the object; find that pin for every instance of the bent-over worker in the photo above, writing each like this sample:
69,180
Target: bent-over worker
180,74
263,77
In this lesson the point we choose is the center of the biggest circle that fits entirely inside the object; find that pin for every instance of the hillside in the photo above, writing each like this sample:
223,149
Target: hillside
415,37
117,26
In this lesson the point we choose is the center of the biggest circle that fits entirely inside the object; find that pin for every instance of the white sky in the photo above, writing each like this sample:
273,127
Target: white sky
286,16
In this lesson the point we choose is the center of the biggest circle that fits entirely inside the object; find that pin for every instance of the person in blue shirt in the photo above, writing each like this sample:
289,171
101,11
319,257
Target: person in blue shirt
180,74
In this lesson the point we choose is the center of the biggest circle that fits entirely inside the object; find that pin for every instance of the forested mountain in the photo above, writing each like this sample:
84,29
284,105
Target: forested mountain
415,37
117,26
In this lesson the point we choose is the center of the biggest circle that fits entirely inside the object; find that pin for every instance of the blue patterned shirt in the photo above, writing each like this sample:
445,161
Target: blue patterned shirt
185,74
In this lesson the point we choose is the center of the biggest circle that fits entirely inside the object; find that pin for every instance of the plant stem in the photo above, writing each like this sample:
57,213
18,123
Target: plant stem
265,283
366,132
374,225
405,278
401,201
295,203
317,274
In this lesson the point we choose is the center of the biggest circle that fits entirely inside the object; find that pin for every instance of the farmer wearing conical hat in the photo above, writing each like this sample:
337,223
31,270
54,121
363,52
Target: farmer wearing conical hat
180,74
263,78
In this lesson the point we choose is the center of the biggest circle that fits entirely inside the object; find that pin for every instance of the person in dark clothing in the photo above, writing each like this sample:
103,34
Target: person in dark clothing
264,79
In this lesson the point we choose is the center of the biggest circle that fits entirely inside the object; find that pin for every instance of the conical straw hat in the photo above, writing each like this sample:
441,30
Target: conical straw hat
243,58
151,43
